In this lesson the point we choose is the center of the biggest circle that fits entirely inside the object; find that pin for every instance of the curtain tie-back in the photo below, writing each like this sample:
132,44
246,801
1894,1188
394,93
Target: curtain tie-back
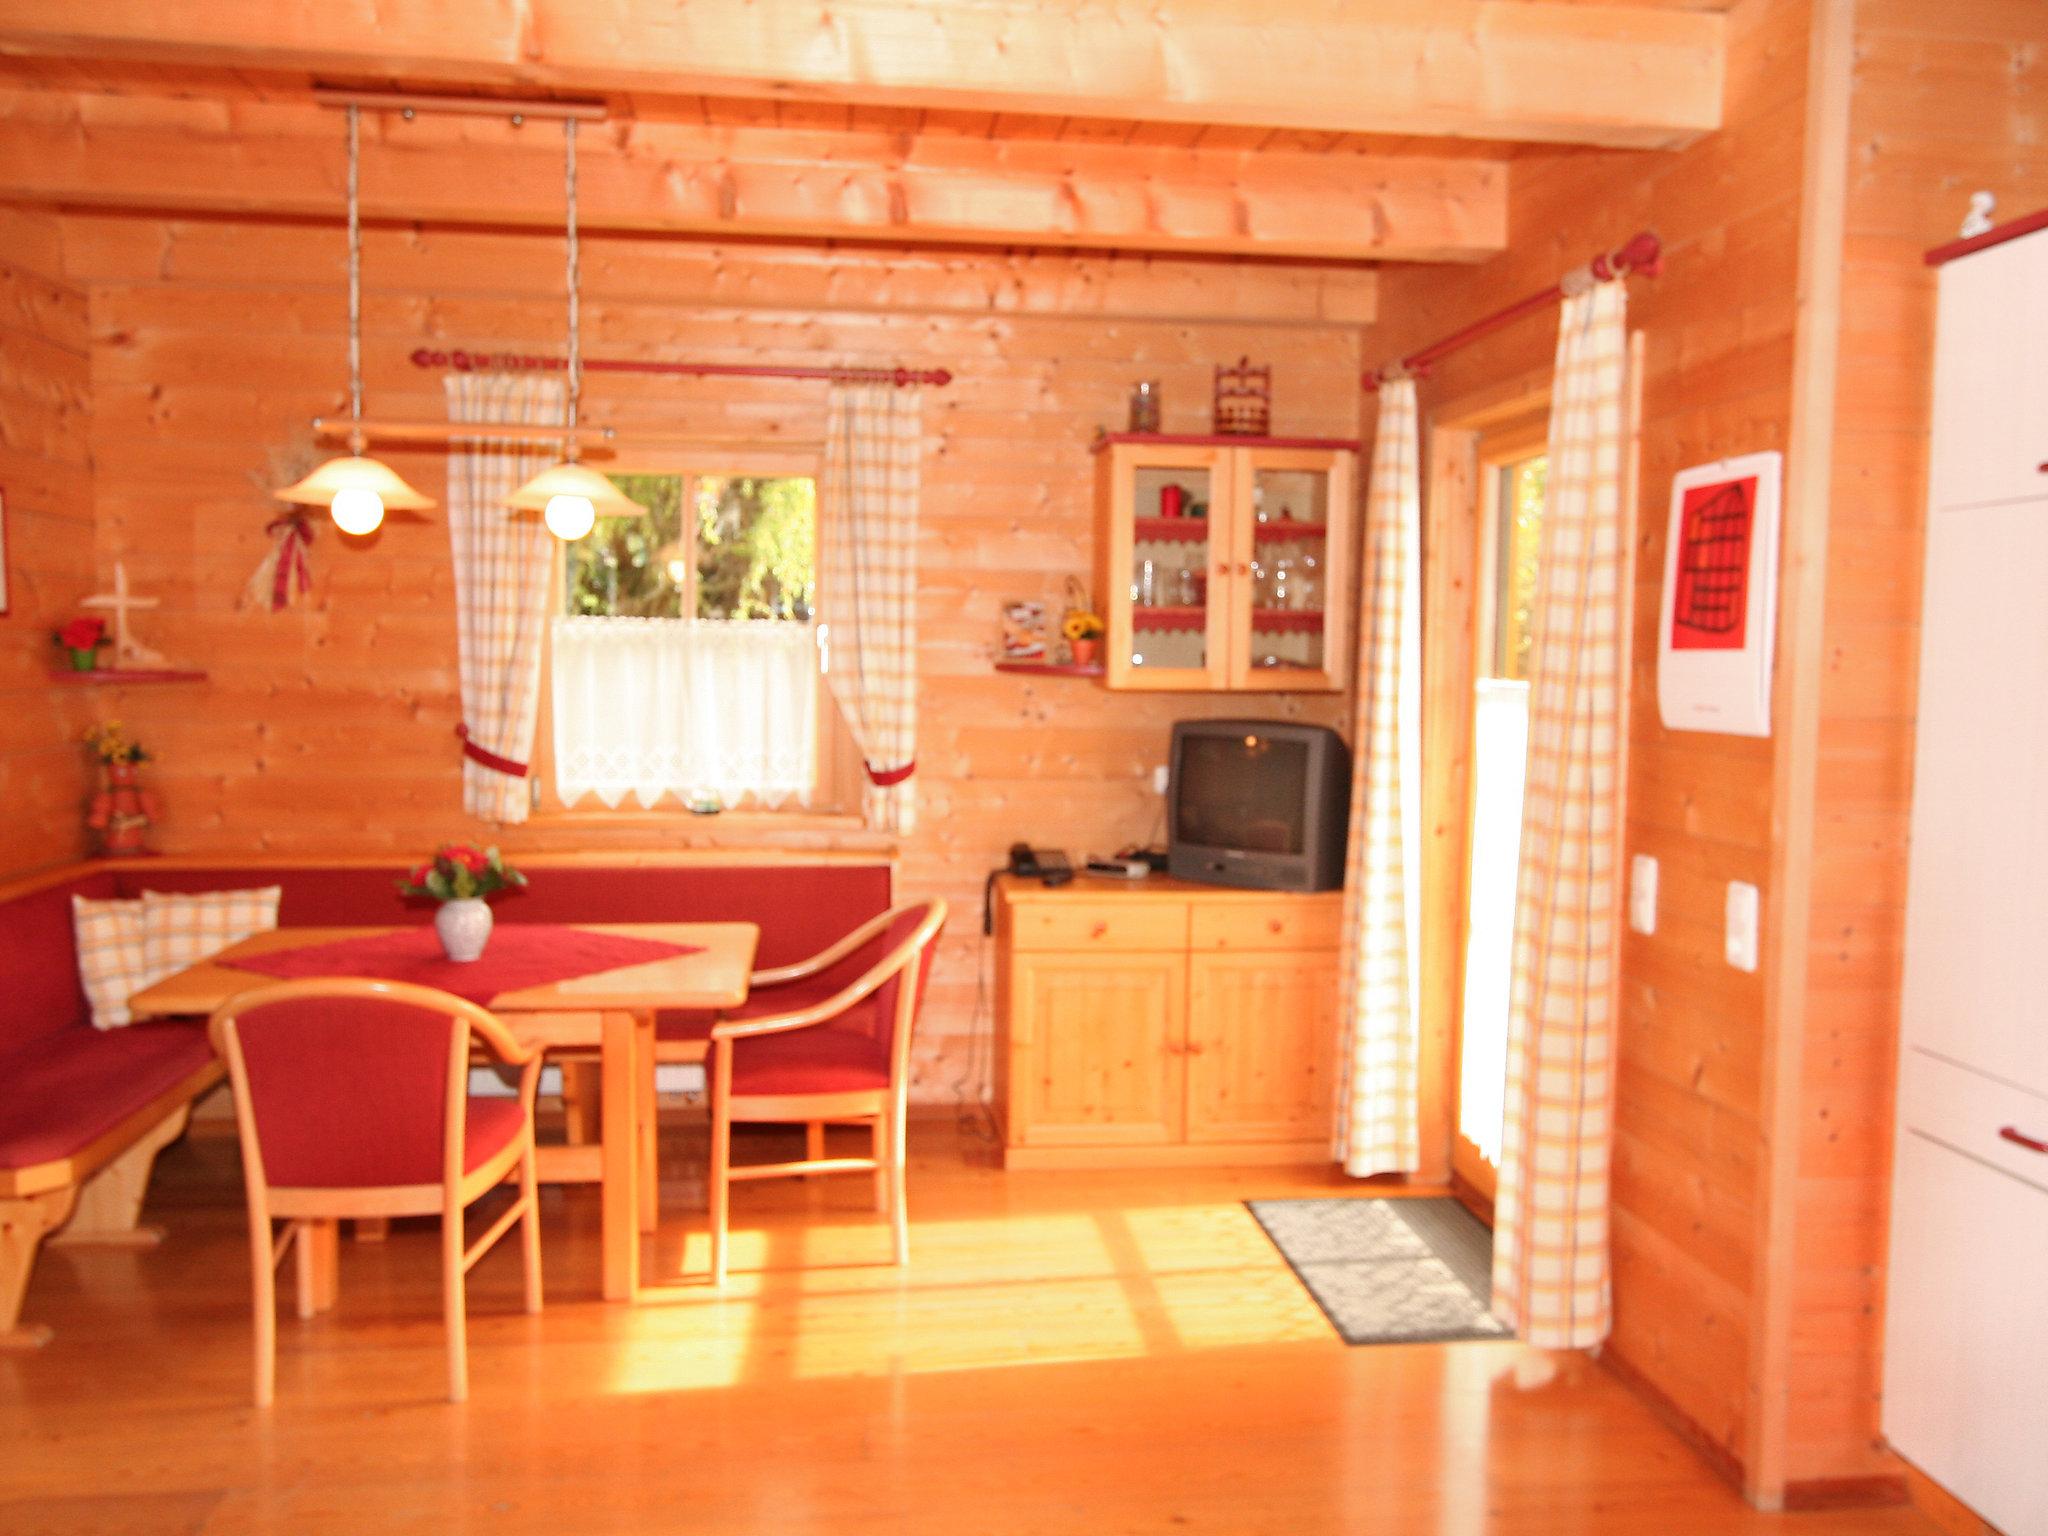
487,757
882,778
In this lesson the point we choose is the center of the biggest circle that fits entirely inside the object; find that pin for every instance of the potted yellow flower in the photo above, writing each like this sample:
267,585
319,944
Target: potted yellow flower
1084,635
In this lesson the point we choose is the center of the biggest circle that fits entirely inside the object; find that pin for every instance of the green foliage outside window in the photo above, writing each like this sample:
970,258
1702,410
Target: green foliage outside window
752,540
1522,485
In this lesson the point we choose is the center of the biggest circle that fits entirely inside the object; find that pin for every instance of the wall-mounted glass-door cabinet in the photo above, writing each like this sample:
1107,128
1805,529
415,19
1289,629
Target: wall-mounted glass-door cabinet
1221,563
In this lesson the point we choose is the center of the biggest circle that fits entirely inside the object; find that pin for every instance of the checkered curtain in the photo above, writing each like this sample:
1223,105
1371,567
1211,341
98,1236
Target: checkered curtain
1550,1274
1376,1122
502,599
867,589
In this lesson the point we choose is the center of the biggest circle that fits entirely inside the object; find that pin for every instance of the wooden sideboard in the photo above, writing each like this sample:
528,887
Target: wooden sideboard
1156,1022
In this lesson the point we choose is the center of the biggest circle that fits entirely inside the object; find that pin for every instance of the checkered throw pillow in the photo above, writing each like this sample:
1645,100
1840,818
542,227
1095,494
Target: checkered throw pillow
112,964
185,927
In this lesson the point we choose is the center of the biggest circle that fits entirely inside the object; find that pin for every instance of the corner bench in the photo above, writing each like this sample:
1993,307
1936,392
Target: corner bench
83,1112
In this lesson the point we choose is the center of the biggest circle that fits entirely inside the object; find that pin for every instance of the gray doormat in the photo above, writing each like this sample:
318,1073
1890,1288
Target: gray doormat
1389,1271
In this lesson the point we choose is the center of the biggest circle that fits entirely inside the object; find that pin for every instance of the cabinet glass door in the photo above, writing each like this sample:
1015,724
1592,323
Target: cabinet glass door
1289,598
1160,567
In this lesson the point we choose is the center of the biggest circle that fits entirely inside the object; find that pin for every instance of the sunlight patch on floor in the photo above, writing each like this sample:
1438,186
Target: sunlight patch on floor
814,1296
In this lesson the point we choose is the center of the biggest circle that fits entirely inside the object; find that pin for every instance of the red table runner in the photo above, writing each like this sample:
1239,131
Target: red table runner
518,955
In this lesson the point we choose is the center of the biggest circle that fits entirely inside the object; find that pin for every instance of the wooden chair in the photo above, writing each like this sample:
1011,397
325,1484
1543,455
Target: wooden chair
841,1058
353,1101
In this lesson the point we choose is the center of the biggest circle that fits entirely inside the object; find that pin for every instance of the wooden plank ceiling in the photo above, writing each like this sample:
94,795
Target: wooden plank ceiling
1334,130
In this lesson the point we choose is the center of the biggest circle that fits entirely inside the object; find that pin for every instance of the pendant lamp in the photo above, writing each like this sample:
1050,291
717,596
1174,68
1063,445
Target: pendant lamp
356,491
571,497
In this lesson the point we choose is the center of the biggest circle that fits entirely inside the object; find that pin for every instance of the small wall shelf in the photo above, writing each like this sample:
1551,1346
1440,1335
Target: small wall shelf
1050,668
124,675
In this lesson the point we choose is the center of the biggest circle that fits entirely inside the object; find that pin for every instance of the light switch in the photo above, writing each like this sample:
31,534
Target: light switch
1159,780
1642,893
1742,910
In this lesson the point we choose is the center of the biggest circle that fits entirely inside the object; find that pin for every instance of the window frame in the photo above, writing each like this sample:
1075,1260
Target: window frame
836,801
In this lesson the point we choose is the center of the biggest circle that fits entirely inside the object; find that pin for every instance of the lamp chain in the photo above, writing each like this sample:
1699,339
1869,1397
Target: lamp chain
575,278
355,290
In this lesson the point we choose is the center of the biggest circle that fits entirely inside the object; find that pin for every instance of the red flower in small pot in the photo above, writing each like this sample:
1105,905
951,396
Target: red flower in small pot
83,634
472,859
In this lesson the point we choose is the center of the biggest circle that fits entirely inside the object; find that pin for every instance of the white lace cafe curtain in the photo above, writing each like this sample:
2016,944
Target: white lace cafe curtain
646,708
1377,1120
868,501
1550,1253
502,589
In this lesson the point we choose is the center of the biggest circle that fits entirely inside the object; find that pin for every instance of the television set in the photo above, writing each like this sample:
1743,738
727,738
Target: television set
1261,804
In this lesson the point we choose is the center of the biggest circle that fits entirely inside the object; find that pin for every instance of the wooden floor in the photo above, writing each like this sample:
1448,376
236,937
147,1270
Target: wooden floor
1113,1353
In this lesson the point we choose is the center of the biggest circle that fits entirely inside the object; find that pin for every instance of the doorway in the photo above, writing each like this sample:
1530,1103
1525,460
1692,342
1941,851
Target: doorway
1487,469
1512,478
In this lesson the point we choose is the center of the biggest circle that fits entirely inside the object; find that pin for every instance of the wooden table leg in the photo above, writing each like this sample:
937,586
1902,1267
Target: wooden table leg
650,1134
621,1102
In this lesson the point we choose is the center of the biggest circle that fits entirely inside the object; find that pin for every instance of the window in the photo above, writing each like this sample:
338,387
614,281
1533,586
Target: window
749,551
683,669
1518,519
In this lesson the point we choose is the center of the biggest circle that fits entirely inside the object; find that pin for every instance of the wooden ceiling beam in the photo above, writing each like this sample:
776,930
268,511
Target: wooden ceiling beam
1539,70
286,159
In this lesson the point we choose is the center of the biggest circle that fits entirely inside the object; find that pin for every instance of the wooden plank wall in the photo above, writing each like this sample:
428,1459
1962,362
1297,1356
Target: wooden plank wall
1719,328
331,727
1946,99
45,477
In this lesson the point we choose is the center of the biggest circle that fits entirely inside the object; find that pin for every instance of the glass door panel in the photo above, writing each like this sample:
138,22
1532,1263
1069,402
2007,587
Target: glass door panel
1290,639
1167,578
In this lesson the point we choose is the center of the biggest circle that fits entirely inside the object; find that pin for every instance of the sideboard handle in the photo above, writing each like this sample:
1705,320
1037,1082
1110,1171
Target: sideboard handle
2012,1133
1100,930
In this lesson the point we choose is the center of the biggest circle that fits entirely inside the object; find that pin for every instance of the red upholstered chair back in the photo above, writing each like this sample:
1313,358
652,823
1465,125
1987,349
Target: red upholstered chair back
350,1092
900,928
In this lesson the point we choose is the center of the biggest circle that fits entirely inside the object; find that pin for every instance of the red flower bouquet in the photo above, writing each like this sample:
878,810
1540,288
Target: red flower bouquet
459,872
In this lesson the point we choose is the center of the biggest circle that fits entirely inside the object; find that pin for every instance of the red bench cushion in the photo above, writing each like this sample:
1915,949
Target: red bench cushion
65,1090
802,908
40,962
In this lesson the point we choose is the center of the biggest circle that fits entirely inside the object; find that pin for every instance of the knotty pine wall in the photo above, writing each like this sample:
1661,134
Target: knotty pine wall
1946,99
331,727
1718,367
45,478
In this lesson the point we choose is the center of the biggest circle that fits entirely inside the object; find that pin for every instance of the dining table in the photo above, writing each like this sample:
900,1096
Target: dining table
611,1011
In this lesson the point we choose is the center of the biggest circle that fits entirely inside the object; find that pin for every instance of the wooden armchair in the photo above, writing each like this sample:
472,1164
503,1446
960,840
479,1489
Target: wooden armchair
353,1101
840,1056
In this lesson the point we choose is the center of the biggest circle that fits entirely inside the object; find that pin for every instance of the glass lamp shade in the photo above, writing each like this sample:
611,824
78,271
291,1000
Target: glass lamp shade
572,497
352,472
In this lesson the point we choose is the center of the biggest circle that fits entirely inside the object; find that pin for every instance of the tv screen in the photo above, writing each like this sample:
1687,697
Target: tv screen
1243,792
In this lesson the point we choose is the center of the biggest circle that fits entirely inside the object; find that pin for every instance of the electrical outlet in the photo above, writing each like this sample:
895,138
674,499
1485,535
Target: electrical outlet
1742,922
1159,780
1642,893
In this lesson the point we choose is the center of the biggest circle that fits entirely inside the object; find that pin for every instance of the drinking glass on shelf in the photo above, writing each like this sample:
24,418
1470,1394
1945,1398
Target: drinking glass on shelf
1145,590
1308,585
1262,583
1283,591
1187,591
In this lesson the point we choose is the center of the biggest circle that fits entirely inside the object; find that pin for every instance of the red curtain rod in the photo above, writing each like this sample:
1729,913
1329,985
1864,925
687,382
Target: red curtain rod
1644,254
469,362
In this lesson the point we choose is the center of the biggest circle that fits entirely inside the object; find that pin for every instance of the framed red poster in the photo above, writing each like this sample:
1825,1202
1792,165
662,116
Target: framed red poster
1715,630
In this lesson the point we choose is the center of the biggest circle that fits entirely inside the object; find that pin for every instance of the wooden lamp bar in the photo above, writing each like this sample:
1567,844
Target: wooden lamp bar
593,442
463,361
1644,253
517,108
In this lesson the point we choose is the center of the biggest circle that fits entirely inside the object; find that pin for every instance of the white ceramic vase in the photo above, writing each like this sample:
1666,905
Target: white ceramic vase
464,927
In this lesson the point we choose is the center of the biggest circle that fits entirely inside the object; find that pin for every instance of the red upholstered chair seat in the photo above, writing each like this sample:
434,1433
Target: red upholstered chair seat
828,1058
70,1087
490,1126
